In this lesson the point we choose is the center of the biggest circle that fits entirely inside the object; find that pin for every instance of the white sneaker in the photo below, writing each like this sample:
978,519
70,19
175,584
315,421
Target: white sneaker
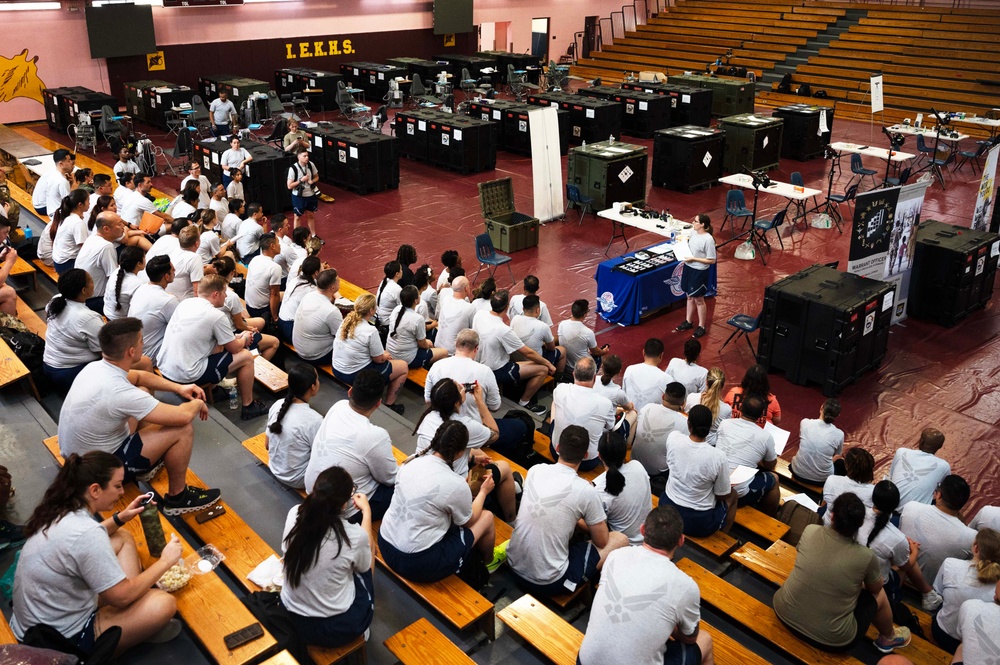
171,630
931,600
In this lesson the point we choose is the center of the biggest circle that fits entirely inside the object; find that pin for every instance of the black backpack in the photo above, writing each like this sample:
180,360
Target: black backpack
785,86
27,346
267,608
43,636
805,90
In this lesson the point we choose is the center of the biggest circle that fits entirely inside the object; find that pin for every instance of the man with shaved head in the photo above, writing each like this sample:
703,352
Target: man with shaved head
99,255
917,473
455,314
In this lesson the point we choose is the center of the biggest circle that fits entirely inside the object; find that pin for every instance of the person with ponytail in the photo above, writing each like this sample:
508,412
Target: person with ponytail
694,277
959,580
427,306
124,282
126,185
624,488
605,385
211,246
387,296
859,465
447,398
711,397
299,286
406,256
408,333
71,337
231,222
84,179
821,444
133,236
267,345
328,561
433,522
317,320
97,206
292,425
357,346
481,296
80,573
69,231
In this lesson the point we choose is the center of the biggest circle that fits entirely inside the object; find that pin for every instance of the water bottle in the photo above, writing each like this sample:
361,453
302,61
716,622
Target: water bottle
28,233
152,529
234,401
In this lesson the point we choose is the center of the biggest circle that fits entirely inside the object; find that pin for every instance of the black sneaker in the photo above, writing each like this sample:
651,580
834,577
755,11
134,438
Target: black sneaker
698,332
11,535
398,408
149,475
687,325
536,408
191,500
254,409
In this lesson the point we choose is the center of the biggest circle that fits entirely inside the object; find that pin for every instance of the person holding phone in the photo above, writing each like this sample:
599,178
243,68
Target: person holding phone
694,277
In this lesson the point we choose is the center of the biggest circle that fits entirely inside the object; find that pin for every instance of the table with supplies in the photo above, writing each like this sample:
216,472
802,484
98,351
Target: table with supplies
792,193
881,153
992,124
929,134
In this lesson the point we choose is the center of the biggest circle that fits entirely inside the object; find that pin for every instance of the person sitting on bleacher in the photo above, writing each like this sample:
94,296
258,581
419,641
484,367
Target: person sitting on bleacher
605,384
126,185
578,404
125,163
188,268
266,345
653,429
624,488
299,286
450,259
249,233
407,339
104,407
52,186
102,187
579,340
204,186
152,305
387,295
124,282
517,302
139,201
988,516
263,281
917,473
976,622
69,230
8,257
99,257
746,444
645,382
535,333
329,589
211,245
169,243
218,203
821,444
755,384
187,201
231,222
698,485
939,528
433,522
555,502
831,567
859,467
317,321
428,296
82,576
357,347
347,438
711,397
481,296
199,346
686,370
292,245
643,599
455,313
447,398
292,425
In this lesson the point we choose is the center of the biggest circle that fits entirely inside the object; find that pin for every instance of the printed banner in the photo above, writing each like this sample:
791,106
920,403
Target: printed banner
987,192
876,90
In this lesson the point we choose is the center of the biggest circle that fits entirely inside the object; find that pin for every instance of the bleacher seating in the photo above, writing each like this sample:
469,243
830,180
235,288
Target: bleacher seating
421,642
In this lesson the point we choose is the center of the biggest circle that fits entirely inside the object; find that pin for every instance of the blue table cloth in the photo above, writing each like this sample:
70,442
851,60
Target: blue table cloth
624,298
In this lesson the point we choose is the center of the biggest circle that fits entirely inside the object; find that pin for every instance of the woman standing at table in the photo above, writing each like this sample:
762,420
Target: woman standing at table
694,278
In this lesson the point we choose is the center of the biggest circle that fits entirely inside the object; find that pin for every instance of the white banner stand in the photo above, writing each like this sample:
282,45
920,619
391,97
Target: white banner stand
546,166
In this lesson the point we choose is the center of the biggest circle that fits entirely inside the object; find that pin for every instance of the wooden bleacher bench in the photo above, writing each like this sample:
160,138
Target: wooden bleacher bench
13,370
283,658
30,319
269,375
23,199
543,629
766,527
421,643
6,634
24,269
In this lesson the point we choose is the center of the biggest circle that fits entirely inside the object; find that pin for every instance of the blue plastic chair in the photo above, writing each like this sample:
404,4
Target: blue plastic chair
758,234
800,204
744,325
833,202
736,208
575,198
488,256
858,169
924,149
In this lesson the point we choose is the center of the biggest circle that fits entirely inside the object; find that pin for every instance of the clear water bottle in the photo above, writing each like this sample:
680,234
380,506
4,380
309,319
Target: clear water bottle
234,399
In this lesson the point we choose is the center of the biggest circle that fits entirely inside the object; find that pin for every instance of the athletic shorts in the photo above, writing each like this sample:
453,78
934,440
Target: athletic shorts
552,356
338,630
385,369
509,374
761,484
218,368
303,204
583,560
694,282
435,563
130,453
699,523
677,653
85,639
421,359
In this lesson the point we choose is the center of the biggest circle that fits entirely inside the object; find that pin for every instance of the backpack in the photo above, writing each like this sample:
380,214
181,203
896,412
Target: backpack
267,608
43,636
524,454
804,90
27,346
797,517
785,86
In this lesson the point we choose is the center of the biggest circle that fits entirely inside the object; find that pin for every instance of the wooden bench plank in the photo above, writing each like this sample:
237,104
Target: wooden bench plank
421,643
6,634
763,525
283,658
543,629
269,375
784,470
24,269
728,651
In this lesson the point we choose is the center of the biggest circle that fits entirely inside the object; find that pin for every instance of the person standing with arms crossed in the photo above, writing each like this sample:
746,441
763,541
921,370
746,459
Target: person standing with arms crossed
302,179
694,278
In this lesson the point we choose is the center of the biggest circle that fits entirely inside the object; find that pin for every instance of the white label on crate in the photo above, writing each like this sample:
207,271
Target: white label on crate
625,174
312,83
76,108
152,103
355,71
410,129
215,158
52,116
381,76
458,134
213,87
980,265
445,139
869,323
673,102
764,142
522,125
353,152
643,106
159,99
685,99
290,78
485,116
887,300
422,125
207,164
995,249
496,115
342,156
318,141
707,159
967,270
236,92
590,113
630,109
576,130
372,79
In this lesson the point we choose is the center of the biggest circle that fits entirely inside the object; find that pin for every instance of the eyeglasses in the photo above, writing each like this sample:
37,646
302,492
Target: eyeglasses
354,489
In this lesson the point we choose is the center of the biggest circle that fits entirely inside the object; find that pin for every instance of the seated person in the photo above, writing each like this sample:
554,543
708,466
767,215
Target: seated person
755,383
698,485
655,424
8,257
233,307
481,295
407,339
959,580
231,222
112,409
917,473
406,256
859,467
125,163
187,201
450,259
317,321
211,246
99,256
624,488
645,382
543,553
298,287
939,528
168,243
328,589
347,438
821,444
536,334
831,565
976,618
988,516
433,522
200,348
82,576
428,297
715,383
686,370
124,282
627,623
387,295
517,302
188,268
455,312
576,338
746,444
152,305
249,232
292,425
263,281
69,230
357,347
605,384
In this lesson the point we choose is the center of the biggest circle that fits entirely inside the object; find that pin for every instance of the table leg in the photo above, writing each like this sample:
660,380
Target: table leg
617,231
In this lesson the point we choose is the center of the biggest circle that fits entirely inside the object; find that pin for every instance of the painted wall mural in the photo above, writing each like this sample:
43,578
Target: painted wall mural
19,78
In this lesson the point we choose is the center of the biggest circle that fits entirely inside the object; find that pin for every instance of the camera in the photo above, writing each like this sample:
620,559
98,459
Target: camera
469,387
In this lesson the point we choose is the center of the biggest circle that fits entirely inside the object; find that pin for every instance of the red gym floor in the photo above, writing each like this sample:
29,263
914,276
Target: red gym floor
948,378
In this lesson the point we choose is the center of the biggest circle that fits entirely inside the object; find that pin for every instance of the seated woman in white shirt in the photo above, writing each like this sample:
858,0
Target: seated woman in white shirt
624,488
387,296
959,580
447,398
821,444
481,296
292,425
357,347
859,467
328,586
317,321
231,222
433,522
605,384
234,190
68,231
266,345
715,383
407,339
211,246
187,202
128,278
298,287
428,298
133,237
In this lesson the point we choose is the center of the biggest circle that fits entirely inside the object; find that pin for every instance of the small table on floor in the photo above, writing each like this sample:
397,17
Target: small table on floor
654,225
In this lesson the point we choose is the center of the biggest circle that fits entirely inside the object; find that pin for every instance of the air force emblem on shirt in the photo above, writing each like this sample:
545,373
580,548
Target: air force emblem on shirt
620,609
539,508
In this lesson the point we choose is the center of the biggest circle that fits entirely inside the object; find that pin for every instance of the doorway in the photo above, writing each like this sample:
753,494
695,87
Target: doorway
540,39
493,36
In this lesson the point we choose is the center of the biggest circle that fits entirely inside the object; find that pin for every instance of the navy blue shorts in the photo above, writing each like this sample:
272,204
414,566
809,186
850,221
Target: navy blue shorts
62,377
694,282
218,368
285,330
385,369
552,356
435,563
335,631
322,361
130,453
64,267
379,502
421,359
699,523
761,484
303,204
259,312
583,560
509,374
85,638
677,653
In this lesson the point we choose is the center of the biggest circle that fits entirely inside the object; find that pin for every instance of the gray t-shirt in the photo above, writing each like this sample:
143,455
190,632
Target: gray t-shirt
581,405
231,159
136,203
627,511
496,340
613,392
691,375
553,500
262,274
454,316
61,572
940,536
516,307
387,299
987,517
837,485
221,111
917,474
99,258
248,236
642,598
702,246
353,354
744,443
188,271
818,443
290,450
957,583
479,436
533,332
465,370
977,622
95,413
698,473
130,282
890,545
655,423
577,339
297,171
297,289
403,339
152,305
71,337
210,245
429,498
317,320
644,384
70,236
194,330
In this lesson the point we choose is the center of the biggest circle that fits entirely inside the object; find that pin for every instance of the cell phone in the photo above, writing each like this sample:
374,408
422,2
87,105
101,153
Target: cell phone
210,514
243,635
146,498
470,387
606,347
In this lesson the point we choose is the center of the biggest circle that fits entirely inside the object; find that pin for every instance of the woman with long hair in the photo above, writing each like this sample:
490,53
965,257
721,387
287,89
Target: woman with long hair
187,201
133,237
231,222
408,333
127,279
328,585
299,286
357,346
71,336
317,320
756,384
959,580
821,444
82,575
84,179
694,277
100,205
433,522
267,345
624,488
446,400
211,246
292,425
68,231
387,296
860,467
481,295
406,256
428,298
605,384
715,383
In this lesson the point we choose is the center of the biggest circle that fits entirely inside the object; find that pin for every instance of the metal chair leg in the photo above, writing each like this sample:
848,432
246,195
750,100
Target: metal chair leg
746,336
477,273
510,272
730,338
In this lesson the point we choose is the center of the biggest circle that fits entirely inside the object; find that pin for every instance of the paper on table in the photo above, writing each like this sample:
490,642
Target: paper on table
741,474
779,435
804,501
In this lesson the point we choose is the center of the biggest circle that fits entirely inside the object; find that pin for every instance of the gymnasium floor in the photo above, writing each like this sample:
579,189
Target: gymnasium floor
931,375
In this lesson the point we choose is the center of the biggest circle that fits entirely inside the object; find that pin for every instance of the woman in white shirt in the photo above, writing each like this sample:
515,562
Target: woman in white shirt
387,296
211,246
408,333
859,465
299,286
428,298
129,277
694,277
715,383
328,585
233,306
187,202
234,190
292,425
357,347
232,221
606,385
236,157
481,296
433,522
959,580
68,231
821,444
624,488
